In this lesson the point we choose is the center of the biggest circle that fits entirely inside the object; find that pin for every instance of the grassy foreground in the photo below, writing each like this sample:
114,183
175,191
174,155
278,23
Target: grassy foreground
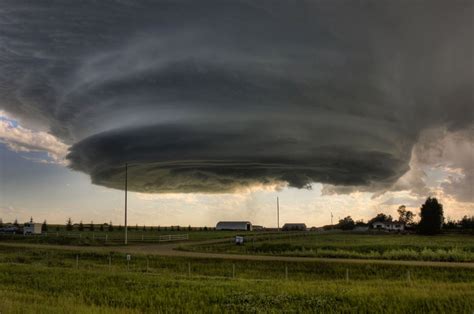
55,281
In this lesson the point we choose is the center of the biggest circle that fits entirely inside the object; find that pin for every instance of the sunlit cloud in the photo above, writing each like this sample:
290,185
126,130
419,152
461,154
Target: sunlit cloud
23,140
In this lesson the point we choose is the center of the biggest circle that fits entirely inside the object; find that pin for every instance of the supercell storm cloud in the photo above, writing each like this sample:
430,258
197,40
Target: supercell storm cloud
214,96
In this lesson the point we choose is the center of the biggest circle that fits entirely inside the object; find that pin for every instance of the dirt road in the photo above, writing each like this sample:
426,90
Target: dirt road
169,249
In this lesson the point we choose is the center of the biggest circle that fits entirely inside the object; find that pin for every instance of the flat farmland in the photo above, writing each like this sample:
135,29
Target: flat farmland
59,280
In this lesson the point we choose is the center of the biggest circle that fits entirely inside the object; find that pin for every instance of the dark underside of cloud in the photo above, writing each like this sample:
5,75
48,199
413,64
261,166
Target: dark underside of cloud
172,158
214,96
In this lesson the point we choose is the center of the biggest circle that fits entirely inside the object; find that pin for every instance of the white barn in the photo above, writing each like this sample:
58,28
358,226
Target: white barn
389,225
234,225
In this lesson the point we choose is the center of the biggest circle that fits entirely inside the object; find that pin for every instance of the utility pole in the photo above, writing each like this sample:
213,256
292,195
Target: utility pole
126,186
278,214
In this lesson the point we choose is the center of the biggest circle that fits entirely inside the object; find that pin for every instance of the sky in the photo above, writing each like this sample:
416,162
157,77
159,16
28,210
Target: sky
218,107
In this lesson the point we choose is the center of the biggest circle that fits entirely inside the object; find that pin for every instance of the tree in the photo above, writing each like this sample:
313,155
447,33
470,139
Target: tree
44,227
31,220
178,228
405,215
380,218
15,223
151,229
346,223
120,228
144,228
81,226
69,224
431,217
1,223
189,228
101,227
467,222
111,227
205,228
136,227
92,226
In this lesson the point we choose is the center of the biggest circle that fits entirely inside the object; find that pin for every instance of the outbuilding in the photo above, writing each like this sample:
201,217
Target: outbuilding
32,228
234,225
294,227
389,225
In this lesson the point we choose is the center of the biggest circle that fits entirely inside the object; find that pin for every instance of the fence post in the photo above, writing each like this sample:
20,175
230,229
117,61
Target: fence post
347,274
286,272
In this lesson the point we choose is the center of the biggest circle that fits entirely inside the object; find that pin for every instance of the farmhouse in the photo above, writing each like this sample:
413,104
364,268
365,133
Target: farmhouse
234,225
389,225
294,227
31,228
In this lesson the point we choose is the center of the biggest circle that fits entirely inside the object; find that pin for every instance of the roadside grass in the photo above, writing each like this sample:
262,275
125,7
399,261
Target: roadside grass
40,289
450,248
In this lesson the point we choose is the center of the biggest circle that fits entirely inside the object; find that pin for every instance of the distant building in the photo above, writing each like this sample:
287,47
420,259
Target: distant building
234,225
294,227
389,225
31,228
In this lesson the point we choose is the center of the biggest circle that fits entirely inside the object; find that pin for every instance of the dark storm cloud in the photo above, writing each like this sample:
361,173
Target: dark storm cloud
212,96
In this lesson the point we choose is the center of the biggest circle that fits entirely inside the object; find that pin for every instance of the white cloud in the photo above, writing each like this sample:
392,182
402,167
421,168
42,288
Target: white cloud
20,139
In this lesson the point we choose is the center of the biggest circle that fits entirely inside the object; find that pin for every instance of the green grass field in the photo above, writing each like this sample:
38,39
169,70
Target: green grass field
448,247
75,237
49,281
55,279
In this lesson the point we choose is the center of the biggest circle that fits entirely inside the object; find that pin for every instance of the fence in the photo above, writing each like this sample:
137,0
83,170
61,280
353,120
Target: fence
103,236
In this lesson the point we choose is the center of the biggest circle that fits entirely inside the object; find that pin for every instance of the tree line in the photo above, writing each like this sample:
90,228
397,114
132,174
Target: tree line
431,221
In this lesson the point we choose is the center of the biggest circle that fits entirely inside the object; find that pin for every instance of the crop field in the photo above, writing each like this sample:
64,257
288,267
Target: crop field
36,280
448,247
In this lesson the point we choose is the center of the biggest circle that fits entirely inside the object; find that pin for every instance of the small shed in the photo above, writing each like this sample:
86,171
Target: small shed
234,225
32,228
294,227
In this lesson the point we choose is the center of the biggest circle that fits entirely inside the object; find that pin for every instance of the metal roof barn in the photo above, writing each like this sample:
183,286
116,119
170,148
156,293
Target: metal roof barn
234,225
